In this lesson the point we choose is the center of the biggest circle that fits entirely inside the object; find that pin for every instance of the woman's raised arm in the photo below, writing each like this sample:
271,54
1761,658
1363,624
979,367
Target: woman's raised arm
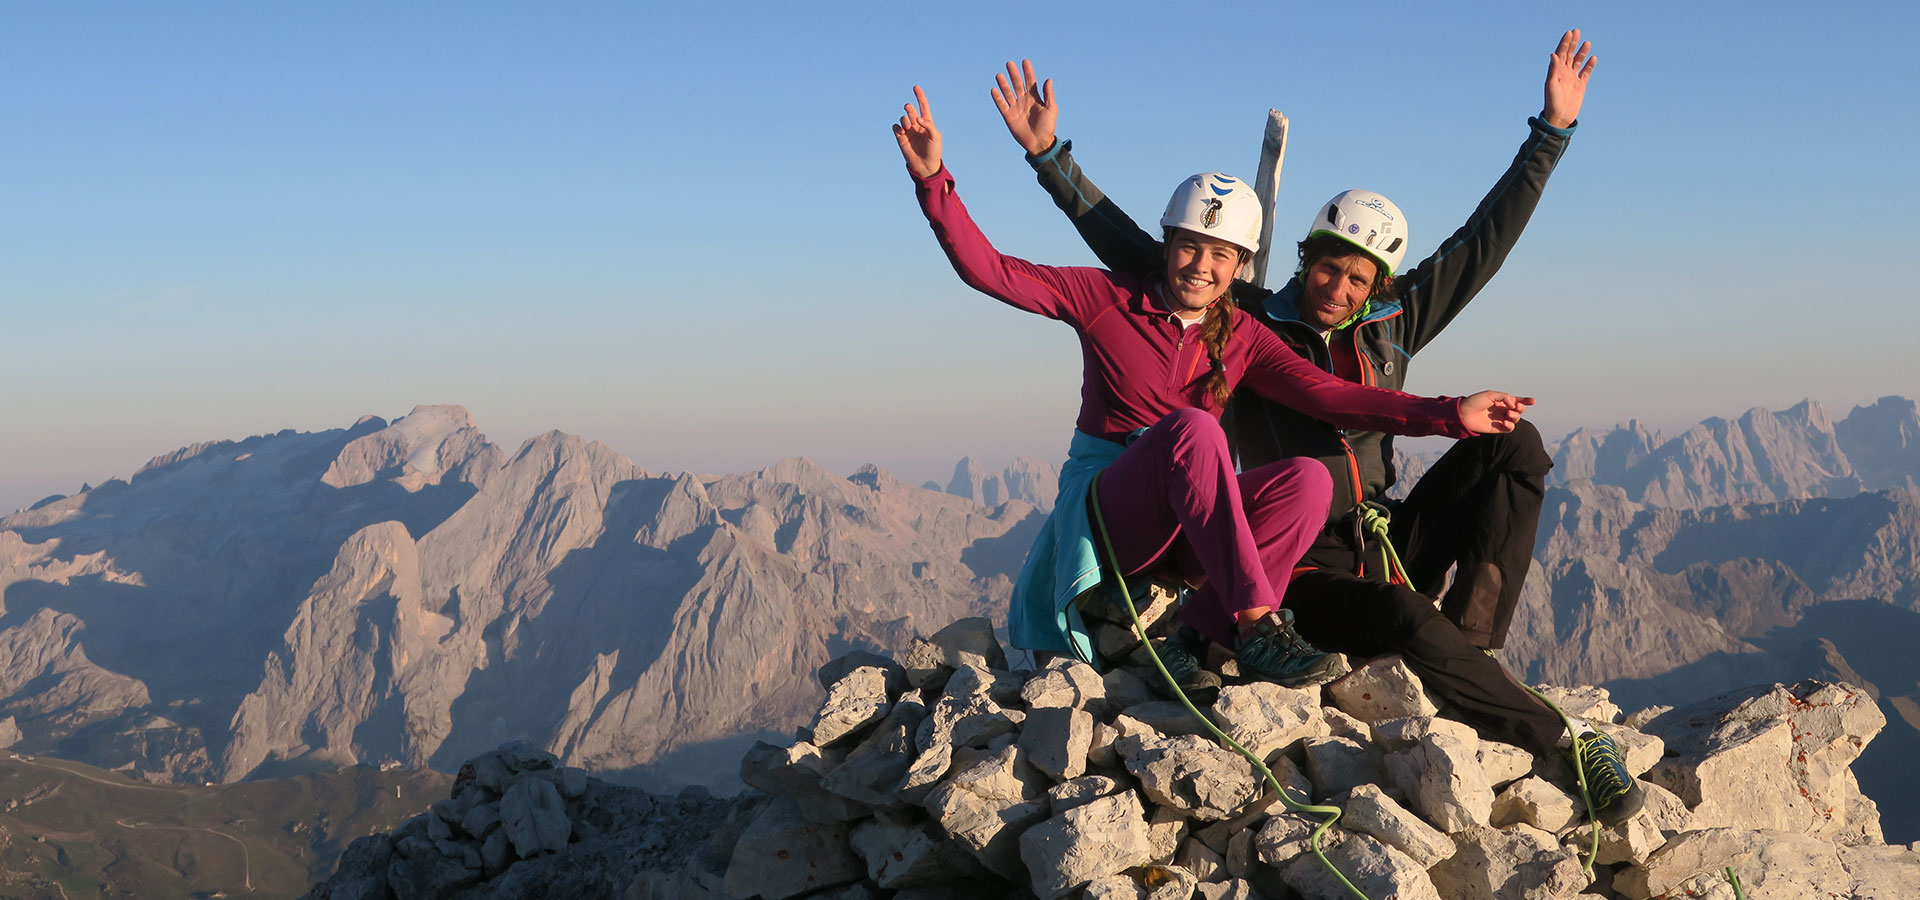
1277,373
1069,294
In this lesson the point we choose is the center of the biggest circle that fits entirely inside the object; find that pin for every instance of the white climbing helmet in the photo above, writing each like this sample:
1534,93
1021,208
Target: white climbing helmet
1368,221
1218,206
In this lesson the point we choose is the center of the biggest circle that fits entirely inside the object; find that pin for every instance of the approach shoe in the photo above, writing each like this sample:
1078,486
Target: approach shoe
1615,795
1179,652
1277,653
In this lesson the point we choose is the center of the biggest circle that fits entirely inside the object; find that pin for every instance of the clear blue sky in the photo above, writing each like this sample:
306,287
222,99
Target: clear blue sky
686,231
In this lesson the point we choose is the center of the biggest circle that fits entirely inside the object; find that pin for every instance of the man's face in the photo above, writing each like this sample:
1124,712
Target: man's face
1335,288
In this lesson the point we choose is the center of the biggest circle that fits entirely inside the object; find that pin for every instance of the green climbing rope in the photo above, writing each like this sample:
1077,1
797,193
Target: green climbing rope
1374,521
1734,879
1331,812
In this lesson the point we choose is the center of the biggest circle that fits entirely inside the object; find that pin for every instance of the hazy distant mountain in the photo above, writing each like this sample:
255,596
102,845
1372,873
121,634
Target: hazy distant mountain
1031,480
412,591
1762,457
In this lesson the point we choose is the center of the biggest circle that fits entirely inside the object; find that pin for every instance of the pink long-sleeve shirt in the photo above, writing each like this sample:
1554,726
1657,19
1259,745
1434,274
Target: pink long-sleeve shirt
1139,362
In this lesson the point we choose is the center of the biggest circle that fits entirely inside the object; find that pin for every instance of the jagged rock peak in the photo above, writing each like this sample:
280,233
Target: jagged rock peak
801,471
181,455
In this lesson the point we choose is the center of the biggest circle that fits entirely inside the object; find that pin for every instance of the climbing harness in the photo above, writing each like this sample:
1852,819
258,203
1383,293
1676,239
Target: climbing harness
1331,812
1374,521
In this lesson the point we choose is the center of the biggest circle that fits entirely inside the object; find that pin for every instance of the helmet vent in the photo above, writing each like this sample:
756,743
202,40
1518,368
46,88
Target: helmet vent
1390,248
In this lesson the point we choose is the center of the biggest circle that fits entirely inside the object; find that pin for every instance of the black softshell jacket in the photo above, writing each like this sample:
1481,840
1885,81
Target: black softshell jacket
1379,345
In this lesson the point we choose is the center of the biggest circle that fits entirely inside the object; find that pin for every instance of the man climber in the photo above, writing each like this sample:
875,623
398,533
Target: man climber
1475,511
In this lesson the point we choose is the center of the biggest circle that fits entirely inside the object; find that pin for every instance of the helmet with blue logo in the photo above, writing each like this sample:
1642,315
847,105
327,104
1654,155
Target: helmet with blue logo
1368,221
1218,206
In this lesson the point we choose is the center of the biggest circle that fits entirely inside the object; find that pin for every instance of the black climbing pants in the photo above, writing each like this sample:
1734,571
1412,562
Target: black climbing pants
1478,509
1338,612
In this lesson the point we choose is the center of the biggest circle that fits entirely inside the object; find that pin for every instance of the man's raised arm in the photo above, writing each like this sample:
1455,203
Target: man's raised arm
1028,107
1437,289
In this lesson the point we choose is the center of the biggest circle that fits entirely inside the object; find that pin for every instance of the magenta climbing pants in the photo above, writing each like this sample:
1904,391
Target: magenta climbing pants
1173,500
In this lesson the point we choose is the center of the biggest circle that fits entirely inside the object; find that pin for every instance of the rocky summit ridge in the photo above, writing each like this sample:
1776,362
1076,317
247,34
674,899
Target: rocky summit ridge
943,775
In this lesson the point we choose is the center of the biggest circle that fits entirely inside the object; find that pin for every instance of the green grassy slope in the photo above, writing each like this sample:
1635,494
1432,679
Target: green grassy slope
71,831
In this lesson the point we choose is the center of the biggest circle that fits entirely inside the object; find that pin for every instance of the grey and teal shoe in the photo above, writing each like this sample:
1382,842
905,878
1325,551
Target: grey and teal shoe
1276,652
1615,795
1180,654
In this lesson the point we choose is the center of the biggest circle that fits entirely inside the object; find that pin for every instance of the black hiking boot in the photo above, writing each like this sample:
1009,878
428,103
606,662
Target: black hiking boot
1277,653
1615,795
1180,653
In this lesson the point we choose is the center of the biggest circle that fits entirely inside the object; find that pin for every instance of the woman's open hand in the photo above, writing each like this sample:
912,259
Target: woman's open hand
919,140
1492,412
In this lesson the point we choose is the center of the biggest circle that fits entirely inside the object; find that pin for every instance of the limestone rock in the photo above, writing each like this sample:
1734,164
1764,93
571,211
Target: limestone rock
1339,724
1370,811
1104,837
962,643
1442,780
857,700
1166,828
964,716
902,854
1055,740
1806,735
1537,803
841,666
1375,868
1166,718
1231,889
1125,688
1112,887
1503,763
988,805
1518,863
1196,857
1064,682
1772,864
1593,704
1337,764
1189,773
1404,732
872,773
534,817
1636,839
1267,718
1381,688
798,770
783,855
1081,791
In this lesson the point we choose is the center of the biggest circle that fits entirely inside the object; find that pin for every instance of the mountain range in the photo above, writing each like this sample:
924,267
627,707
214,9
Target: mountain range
409,591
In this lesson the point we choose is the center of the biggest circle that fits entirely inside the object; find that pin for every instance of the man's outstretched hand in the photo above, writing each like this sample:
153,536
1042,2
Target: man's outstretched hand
919,140
1567,73
1492,412
1026,104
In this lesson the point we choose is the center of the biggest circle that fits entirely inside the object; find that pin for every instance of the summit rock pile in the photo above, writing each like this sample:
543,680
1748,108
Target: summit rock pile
944,775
